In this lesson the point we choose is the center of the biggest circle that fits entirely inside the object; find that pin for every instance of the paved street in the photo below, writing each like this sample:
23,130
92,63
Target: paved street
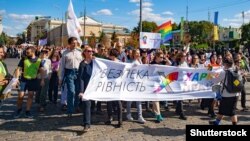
54,125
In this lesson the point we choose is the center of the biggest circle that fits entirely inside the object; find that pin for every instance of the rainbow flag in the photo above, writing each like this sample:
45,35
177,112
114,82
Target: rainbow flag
166,80
166,31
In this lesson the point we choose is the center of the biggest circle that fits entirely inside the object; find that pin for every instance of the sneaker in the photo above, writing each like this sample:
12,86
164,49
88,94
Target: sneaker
18,114
183,117
119,125
244,110
211,122
160,118
129,117
86,128
141,120
64,107
28,114
157,119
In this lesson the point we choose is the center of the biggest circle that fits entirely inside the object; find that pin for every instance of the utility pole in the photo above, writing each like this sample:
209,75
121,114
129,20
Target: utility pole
140,16
243,17
187,11
1,27
208,15
62,30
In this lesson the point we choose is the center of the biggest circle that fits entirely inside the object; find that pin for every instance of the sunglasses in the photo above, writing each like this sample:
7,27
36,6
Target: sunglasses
89,51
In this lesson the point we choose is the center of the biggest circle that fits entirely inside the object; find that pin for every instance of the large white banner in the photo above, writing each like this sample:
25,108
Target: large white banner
150,40
129,82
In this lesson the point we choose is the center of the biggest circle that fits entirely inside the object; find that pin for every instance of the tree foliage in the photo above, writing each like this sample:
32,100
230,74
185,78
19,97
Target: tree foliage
245,36
146,27
201,31
21,38
92,40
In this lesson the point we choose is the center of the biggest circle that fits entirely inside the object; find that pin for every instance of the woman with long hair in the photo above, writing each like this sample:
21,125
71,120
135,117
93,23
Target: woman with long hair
136,59
53,84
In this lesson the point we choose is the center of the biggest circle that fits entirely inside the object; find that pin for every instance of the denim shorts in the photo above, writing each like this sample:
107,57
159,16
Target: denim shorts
30,85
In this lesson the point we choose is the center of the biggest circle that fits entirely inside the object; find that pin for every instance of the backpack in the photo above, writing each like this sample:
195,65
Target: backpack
234,82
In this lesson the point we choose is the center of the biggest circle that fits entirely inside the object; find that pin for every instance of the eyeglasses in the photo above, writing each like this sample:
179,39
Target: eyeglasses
161,57
219,58
196,58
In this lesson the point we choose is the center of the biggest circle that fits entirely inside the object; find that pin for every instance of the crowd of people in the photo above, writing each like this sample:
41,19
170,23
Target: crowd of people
43,71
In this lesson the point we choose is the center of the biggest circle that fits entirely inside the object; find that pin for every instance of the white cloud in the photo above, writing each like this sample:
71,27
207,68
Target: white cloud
134,1
17,22
232,20
106,12
21,17
168,13
235,25
150,16
2,12
145,4
7,27
237,20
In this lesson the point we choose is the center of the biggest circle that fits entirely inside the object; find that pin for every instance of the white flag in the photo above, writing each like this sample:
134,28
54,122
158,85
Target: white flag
73,26
42,42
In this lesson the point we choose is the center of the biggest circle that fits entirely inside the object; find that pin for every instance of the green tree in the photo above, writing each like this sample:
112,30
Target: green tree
101,37
133,40
245,36
175,26
114,37
146,27
92,40
201,31
21,38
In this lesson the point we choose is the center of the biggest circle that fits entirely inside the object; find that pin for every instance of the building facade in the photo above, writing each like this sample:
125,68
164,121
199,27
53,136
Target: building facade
56,30
229,34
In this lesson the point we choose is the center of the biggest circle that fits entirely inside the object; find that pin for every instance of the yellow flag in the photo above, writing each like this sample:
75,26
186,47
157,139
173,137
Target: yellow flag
216,36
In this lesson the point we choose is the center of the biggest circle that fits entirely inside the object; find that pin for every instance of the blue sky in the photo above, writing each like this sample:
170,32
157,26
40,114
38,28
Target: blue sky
18,13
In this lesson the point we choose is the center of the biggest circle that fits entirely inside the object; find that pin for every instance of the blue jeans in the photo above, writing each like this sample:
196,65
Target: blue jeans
70,78
86,106
138,106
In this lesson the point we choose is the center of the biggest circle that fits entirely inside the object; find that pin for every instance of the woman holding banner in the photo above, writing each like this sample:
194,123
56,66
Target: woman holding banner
3,73
136,61
113,54
180,62
85,72
156,104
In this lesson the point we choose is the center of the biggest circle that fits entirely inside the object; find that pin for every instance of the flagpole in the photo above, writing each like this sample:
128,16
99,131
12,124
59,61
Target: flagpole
84,23
140,16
